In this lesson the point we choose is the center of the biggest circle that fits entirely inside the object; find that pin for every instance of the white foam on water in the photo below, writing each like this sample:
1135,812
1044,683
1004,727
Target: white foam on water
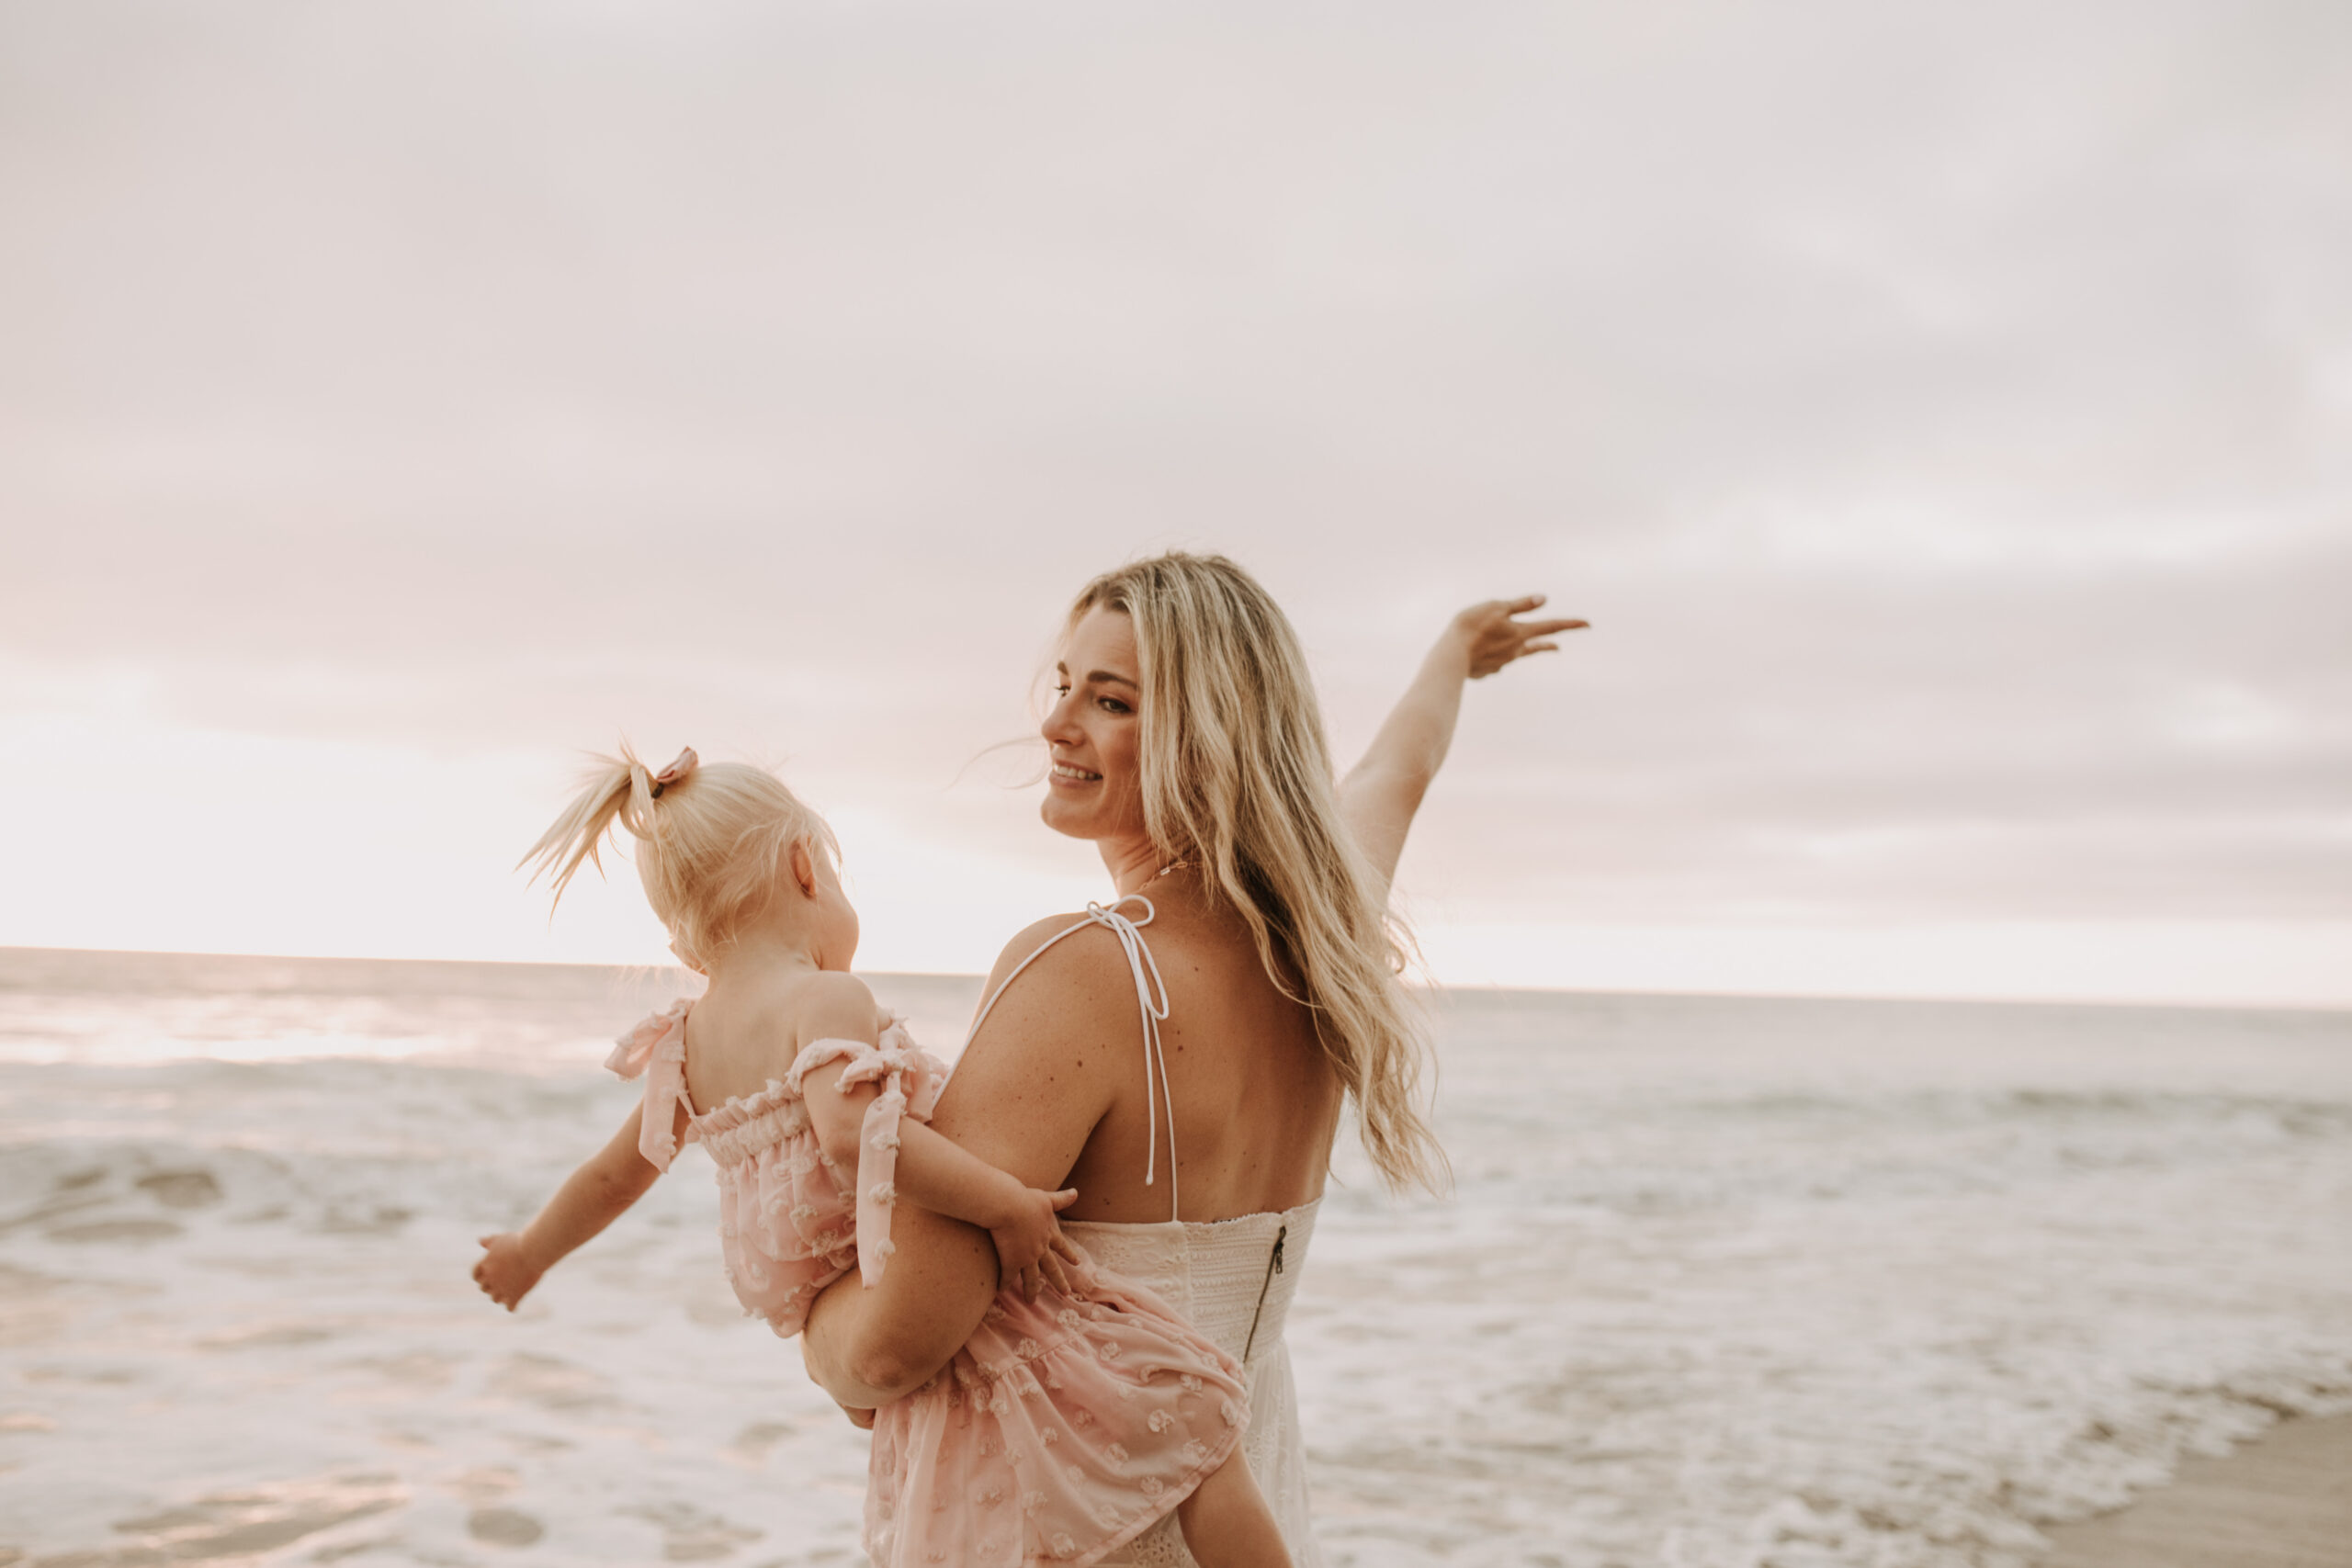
1723,1283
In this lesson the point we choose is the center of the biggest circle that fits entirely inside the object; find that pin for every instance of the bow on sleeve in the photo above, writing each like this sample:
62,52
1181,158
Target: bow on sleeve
911,1078
656,1047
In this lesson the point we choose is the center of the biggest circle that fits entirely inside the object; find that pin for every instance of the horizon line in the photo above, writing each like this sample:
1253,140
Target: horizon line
1695,993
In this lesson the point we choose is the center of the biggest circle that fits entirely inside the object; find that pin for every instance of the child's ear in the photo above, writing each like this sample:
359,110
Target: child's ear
804,868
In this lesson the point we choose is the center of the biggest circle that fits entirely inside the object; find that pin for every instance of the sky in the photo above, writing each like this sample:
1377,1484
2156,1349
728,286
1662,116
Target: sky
1943,414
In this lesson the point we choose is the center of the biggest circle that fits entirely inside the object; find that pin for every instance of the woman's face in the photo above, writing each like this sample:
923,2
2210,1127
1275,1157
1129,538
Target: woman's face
1094,732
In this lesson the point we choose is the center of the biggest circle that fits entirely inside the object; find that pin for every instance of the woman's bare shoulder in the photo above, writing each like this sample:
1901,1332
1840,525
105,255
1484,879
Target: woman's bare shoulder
1032,938
1036,943
1068,966
1046,1062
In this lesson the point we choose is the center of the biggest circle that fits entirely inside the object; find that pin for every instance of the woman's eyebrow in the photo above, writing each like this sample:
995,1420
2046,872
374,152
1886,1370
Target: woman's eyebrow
1102,677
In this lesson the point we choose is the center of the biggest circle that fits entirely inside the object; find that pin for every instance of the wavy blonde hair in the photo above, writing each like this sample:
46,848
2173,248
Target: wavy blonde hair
710,843
1238,777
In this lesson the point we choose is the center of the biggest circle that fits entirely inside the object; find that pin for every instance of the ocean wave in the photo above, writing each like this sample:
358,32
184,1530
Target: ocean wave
1695,1302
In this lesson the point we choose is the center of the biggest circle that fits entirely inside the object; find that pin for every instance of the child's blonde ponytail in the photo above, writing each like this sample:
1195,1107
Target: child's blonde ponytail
712,840
618,784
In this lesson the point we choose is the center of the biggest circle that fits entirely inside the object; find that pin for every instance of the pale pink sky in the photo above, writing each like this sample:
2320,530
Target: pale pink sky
1945,416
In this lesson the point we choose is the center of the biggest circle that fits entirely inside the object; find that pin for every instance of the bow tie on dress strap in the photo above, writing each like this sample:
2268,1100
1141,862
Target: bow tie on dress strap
1151,1005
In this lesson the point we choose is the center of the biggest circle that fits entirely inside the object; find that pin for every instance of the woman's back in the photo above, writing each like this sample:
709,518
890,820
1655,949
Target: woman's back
1255,1106
1255,1102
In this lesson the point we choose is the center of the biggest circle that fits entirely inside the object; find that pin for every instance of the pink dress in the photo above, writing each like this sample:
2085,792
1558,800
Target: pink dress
1069,1425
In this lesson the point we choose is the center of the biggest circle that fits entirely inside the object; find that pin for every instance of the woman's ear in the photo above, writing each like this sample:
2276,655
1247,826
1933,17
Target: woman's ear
804,868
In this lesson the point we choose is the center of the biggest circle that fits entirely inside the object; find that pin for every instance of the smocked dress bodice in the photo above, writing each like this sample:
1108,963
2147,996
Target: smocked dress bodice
790,1220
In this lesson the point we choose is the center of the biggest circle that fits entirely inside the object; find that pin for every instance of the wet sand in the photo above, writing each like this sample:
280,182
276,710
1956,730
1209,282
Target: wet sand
2282,1501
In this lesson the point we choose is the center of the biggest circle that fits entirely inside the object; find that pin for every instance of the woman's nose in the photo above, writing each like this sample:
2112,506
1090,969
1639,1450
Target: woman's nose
1058,728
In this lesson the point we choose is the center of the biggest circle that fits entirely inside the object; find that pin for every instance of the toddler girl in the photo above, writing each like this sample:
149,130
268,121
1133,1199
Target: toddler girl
1083,1410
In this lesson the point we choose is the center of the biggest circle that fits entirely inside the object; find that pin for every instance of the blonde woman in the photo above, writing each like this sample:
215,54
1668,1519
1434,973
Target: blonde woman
1183,1055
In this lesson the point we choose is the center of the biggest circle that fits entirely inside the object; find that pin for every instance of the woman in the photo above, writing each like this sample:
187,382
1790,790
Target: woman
1189,1081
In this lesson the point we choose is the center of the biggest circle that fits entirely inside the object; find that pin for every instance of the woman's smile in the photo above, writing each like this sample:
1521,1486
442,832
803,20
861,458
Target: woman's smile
1093,736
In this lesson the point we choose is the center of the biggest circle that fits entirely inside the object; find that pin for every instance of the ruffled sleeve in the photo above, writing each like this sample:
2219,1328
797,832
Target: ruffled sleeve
656,1047
911,1079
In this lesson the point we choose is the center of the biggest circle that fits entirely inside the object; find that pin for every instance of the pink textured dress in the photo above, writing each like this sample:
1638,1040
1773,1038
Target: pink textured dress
1068,1426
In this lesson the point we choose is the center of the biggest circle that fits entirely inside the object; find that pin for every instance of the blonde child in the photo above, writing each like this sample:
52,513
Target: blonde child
1083,1410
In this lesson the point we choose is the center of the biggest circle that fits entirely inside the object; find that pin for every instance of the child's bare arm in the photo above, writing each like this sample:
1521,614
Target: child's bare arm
942,1177
593,1196
947,1179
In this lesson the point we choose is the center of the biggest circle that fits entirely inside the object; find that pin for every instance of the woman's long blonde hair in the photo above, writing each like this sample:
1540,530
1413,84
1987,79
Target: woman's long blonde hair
711,841
1238,777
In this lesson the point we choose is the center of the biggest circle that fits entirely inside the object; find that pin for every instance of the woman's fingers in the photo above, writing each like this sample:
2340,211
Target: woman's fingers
1501,641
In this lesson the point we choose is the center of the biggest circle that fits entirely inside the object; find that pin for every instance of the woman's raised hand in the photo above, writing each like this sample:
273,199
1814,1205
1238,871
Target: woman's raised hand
1381,794
1495,635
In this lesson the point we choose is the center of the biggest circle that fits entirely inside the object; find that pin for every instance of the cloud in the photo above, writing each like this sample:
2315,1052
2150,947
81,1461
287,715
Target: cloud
1942,417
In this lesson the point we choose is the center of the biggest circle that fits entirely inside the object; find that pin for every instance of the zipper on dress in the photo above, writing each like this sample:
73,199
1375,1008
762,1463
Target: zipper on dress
1273,1267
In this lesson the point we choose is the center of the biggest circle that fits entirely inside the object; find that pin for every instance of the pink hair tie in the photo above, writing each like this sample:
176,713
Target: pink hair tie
675,771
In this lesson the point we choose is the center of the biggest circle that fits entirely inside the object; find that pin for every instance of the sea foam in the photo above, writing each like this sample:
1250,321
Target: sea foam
1721,1282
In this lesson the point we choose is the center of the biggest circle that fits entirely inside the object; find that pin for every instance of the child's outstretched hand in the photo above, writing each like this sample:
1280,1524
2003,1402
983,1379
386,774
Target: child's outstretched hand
505,1271
1029,1247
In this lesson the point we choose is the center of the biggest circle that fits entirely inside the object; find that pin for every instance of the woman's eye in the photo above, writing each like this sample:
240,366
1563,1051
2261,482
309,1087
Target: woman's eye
1112,705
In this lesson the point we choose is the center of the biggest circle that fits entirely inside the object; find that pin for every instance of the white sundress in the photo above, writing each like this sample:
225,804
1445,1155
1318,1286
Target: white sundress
1232,1280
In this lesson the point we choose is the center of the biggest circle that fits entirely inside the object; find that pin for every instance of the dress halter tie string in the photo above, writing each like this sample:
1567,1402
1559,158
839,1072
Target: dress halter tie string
1151,1005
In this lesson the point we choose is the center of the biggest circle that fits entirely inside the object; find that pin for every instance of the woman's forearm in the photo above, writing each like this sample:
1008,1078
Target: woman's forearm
1414,738
1382,793
867,1346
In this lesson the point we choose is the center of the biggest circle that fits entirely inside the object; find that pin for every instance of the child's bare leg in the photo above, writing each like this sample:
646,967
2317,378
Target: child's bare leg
1226,1523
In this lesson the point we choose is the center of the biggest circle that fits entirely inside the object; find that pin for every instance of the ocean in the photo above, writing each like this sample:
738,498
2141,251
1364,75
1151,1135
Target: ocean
1722,1283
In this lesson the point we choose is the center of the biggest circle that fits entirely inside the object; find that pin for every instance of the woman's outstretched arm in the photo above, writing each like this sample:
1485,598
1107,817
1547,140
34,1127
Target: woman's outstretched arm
1380,793
1027,1093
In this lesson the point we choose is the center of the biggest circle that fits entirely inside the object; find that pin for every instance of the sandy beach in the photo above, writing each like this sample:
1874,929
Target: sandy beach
2282,1501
